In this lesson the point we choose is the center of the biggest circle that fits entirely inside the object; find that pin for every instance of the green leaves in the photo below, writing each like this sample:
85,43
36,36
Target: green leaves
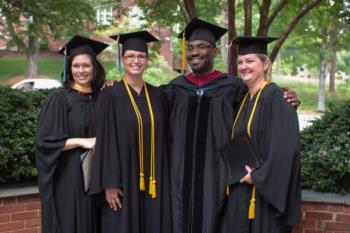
326,151
18,117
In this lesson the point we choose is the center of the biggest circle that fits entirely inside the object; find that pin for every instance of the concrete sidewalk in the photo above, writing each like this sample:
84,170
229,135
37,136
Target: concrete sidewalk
305,119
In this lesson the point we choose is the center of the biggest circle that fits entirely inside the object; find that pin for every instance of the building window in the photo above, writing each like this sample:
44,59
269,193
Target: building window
104,16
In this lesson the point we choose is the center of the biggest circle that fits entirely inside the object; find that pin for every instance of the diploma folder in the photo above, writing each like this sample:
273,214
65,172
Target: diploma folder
236,154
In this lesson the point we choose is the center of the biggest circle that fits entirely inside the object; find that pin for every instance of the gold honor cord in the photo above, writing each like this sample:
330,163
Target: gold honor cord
140,135
152,186
251,213
152,178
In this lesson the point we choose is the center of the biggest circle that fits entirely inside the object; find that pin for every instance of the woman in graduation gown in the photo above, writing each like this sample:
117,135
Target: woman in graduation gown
267,199
65,130
131,165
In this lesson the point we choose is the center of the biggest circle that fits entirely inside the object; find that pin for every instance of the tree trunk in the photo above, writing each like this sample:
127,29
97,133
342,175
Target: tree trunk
190,7
32,57
276,12
224,40
311,4
232,67
323,72
264,19
248,17
332,71
333,61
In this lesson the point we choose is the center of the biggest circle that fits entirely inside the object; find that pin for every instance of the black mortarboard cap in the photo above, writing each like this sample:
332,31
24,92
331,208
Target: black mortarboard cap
81,45
248,45
236,154
135,40
199,29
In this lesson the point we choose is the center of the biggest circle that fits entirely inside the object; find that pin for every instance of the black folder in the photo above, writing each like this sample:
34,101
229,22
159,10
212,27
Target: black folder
236,154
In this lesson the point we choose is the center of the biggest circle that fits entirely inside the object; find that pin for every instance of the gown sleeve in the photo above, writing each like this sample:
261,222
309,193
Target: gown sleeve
278,179
51,135
106,170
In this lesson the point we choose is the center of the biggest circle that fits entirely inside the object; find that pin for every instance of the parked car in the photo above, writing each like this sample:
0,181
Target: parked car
33,84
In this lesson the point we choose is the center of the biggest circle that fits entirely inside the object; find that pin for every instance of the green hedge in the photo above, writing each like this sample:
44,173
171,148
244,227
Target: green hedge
325,145
325,150
18,118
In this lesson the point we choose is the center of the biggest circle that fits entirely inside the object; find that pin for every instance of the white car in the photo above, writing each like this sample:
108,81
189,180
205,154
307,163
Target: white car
33,84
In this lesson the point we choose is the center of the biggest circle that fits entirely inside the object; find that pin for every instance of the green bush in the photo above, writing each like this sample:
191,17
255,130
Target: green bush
325,150
18,117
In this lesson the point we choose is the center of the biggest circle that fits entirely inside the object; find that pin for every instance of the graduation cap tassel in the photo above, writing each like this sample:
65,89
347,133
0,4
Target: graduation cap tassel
227,190
183,65
119,63
65,64
251,213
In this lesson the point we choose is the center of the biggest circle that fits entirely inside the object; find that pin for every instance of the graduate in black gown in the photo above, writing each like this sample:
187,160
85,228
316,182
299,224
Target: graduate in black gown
267,199
131,166
202,106
65,130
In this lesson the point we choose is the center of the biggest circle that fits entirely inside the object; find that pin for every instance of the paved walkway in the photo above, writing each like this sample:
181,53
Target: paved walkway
305,119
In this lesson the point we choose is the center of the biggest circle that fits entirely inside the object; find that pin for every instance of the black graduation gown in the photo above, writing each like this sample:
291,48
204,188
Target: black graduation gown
200,123
117,161
275,133
66,208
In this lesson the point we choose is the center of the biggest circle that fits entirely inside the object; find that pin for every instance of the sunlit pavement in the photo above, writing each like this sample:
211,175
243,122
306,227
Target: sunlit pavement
305,119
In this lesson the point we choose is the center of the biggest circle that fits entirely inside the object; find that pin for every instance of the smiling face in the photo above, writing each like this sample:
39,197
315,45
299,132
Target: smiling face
200,56
134,62
251,68
82,69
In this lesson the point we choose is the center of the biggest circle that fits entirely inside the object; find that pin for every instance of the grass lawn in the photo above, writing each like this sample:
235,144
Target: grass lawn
14,66
308,92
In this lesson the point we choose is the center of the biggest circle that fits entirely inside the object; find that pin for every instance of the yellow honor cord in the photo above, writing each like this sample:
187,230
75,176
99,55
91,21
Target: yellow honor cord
183,64
140,135
152,183
152,187
251,213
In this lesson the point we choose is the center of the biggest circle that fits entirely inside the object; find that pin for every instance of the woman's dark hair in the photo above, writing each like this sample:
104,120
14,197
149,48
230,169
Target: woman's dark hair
98,76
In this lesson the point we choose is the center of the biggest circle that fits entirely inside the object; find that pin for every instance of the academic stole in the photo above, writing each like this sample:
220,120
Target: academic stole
251,213
152,179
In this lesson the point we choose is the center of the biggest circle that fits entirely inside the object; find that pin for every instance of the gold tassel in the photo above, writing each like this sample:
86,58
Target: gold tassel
150,185
183,65
142,182
227,190
153,189
251,214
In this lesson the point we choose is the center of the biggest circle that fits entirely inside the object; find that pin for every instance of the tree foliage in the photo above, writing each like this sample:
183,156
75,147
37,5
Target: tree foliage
18,116
245,16
326,151
24,22
42,18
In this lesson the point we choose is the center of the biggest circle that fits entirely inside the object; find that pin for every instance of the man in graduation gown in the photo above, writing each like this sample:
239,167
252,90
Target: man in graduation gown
202,107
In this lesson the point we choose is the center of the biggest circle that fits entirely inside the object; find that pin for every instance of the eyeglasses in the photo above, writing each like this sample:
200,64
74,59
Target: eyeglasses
200,47
141,58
